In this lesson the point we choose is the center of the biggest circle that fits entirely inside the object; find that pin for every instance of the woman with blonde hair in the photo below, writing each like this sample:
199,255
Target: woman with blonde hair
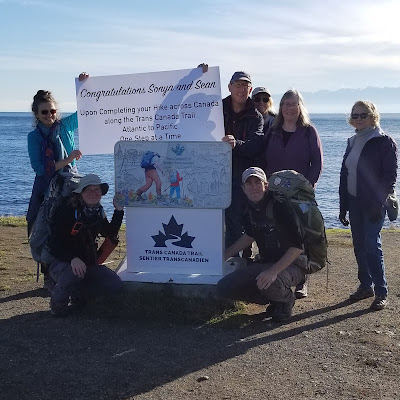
263,102
367,177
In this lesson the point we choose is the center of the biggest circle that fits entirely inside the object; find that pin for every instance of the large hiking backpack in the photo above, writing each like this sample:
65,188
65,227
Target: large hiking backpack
147,159
293,187
61,186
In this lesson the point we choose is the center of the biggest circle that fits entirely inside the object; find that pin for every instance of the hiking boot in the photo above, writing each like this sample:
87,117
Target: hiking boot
48,282
59,310
77,302
379,303
361,294
272,309
283,311
301,290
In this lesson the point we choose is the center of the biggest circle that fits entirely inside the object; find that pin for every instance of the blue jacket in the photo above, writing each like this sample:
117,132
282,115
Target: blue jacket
376,172
62,139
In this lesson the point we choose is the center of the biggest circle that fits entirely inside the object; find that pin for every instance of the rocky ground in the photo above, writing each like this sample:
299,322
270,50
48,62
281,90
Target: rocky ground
331,349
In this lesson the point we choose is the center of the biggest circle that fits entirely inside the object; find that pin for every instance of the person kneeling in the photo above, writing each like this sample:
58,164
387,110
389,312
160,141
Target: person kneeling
72,245
272,225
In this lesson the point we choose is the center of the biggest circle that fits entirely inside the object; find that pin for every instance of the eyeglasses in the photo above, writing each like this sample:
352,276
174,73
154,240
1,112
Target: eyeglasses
259,99
290,105
45,112
362,115
241,85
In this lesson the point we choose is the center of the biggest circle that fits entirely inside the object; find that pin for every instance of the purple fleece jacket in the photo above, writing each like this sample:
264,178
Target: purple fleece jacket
303,152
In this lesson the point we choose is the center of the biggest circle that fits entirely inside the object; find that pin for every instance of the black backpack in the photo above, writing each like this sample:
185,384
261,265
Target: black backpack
61,186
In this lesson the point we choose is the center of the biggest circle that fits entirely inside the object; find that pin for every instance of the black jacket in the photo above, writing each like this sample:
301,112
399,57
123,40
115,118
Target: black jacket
67,243
376,173
246,127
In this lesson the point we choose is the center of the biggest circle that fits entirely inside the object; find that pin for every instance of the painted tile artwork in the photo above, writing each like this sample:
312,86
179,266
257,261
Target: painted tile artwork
173,174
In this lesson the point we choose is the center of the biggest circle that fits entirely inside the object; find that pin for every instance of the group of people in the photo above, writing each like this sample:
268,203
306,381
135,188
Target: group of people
262,142
75,271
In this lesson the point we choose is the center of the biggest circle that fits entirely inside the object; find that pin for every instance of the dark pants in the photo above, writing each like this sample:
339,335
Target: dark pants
98,280
368,247
242,285
234,216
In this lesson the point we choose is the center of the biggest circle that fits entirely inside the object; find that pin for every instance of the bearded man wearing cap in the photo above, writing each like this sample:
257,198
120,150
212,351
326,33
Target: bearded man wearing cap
243,126
76,267
272,225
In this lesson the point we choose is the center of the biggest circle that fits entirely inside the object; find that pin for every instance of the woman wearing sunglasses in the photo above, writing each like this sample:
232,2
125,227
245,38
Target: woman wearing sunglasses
264,104
368,175
51,146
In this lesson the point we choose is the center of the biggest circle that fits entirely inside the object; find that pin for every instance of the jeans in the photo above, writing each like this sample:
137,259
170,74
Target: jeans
368,247
98,280
175,189
242,285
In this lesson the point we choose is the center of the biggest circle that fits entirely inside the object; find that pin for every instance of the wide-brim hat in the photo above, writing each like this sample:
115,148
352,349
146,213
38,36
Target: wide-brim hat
91,179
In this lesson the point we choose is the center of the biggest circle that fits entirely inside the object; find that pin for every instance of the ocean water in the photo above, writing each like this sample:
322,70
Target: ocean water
16,174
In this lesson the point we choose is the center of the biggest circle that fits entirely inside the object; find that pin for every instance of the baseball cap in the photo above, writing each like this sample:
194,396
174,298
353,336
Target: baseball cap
254,171
260,89
240,76
91,179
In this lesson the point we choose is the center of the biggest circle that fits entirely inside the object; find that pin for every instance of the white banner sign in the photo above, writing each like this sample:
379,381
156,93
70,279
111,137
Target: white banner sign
178,105
174,241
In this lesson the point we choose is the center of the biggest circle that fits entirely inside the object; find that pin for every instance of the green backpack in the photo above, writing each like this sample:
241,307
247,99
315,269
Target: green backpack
290,186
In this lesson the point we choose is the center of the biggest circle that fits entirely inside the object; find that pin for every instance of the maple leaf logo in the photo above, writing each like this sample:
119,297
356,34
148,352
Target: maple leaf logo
173,231
178,149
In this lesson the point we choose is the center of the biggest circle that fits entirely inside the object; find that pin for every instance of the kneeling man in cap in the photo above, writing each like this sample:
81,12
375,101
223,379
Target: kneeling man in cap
272,225
76,267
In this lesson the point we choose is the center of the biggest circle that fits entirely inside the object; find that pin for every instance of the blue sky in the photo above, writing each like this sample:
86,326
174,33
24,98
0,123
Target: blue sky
310,45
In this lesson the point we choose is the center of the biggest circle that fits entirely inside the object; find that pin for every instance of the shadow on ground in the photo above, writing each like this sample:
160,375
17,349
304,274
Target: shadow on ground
90,356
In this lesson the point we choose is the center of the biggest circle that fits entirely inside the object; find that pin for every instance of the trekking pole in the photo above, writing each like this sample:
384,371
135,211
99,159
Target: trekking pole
167,188
37,272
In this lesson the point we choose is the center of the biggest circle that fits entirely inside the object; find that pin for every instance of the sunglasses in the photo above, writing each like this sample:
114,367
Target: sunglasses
45,112
259,99
362,115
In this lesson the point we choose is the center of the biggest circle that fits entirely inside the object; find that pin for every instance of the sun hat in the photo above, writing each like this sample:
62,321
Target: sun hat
91,179
254,171
240,76
258,90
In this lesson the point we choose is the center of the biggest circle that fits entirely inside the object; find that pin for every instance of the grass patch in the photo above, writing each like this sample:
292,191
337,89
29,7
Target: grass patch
12,221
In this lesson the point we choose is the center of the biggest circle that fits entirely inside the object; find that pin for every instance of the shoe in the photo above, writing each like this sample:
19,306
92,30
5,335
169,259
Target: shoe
301,290
272,309
379,303
77,302
361,294
59,310
283,312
